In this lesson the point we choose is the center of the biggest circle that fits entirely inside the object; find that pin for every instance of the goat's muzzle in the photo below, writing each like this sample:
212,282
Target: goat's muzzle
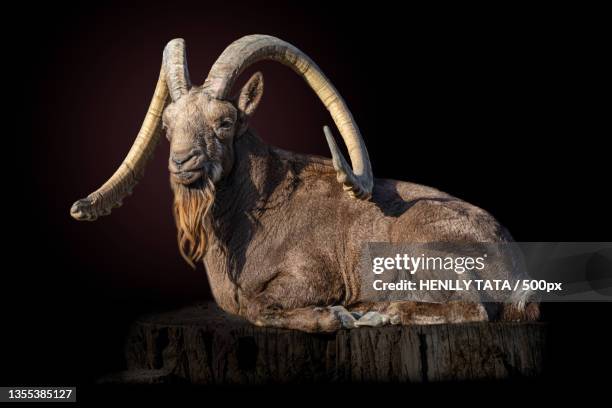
186,167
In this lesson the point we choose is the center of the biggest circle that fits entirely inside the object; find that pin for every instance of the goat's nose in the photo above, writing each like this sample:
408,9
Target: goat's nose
181,157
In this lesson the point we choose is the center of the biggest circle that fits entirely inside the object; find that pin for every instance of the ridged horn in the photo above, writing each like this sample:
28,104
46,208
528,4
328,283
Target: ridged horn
175,65
239,55
173,81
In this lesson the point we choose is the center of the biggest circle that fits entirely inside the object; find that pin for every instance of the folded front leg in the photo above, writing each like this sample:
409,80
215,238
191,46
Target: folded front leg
308,319
300,297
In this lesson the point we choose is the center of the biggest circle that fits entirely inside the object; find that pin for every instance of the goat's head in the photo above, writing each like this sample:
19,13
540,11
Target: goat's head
201,130
201,123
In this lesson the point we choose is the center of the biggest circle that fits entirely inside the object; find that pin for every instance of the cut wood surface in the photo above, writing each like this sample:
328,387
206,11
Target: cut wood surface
201,344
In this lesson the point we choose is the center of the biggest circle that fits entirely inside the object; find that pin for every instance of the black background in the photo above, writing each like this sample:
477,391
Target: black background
503,108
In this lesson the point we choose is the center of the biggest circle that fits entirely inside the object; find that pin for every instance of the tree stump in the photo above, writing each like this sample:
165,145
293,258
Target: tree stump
203,345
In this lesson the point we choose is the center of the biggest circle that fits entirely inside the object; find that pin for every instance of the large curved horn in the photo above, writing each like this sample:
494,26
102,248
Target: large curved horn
358,181
173,79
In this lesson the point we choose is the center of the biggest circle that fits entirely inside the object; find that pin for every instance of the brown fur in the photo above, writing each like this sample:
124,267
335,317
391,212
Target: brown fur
191,207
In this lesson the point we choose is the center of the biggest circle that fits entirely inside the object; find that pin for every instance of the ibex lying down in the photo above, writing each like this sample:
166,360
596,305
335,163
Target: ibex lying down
280,233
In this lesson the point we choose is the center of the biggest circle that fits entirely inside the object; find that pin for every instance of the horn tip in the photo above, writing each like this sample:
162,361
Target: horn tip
176,41
82,210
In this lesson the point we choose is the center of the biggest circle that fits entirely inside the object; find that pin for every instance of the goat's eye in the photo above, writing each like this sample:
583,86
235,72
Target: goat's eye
226,124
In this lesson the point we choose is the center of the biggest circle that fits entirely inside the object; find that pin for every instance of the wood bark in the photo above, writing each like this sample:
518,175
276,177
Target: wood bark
203,345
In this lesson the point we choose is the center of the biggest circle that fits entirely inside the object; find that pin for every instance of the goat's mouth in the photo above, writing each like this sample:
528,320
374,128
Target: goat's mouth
187,177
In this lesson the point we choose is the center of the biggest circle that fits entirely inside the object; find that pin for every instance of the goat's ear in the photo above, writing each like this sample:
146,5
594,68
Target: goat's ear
251,94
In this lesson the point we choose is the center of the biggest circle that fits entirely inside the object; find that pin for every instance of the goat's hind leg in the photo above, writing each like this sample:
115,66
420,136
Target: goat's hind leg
408,313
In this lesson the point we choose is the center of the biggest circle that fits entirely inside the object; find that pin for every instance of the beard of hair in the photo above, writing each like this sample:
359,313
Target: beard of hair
192,204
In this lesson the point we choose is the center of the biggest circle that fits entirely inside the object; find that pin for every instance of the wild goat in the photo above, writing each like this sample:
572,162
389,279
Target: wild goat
280,233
